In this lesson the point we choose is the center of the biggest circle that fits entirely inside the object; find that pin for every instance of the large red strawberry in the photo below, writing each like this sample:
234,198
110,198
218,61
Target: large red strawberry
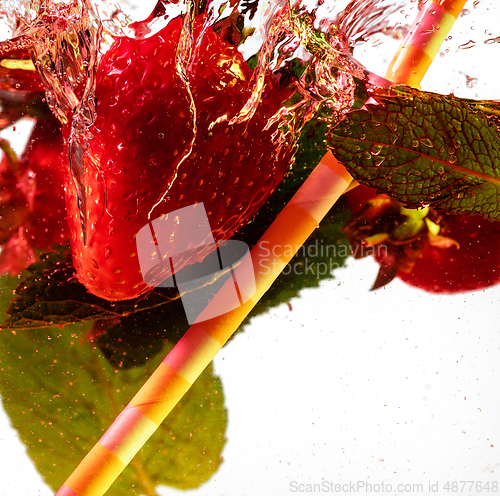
152,150
431,250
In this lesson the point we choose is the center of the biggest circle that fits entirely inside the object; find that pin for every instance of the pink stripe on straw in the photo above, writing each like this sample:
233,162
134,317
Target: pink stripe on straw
65,491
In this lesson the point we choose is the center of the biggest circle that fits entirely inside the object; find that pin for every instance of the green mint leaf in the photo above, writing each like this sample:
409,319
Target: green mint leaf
51,295
425,149
61,394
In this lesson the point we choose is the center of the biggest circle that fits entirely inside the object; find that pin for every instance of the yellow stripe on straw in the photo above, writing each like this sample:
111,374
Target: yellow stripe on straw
201,342
423,41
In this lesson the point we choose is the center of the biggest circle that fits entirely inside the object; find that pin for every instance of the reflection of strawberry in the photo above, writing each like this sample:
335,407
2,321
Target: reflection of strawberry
13,202
139,163
45,156
32,197
433,251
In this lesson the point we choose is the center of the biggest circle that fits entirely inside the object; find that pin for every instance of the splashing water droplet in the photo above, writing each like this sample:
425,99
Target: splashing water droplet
492,40
469,44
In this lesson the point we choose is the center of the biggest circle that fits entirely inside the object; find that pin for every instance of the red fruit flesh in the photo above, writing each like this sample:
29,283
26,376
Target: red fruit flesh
474,265
145,158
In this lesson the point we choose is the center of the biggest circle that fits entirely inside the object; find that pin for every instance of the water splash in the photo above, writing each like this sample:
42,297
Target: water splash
66,39
492,40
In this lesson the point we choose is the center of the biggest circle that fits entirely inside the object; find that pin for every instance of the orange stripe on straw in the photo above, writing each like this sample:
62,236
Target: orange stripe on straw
422,43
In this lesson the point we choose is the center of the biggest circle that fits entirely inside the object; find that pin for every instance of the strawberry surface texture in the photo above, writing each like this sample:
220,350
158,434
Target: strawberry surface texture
151,150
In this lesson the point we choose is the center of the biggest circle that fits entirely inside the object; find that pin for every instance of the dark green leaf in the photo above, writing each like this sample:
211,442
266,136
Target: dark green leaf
424,148
51,295
129,341
61,394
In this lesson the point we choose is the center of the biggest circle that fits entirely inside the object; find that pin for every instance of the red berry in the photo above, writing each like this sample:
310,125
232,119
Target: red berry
14,208
428,249
18,76
145,158
473,264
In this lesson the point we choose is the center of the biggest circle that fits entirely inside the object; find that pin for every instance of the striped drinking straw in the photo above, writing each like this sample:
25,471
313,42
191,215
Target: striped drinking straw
422,43
196,349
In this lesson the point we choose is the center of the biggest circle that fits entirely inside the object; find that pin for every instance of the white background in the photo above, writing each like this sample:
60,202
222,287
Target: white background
394,386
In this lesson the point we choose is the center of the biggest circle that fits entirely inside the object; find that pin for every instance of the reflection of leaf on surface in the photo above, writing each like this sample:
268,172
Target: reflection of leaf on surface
62,394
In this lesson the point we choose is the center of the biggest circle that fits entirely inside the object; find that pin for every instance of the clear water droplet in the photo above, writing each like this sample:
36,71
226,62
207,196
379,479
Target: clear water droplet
376,149
414,143
427,142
